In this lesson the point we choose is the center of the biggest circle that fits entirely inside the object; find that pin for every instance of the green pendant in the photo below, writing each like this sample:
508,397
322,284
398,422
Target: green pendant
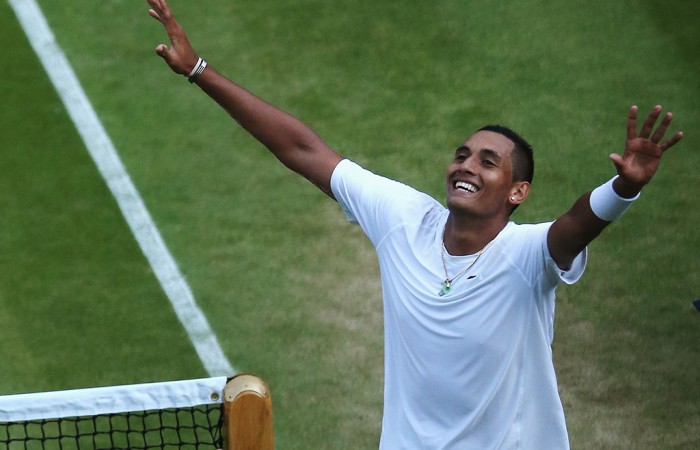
446,288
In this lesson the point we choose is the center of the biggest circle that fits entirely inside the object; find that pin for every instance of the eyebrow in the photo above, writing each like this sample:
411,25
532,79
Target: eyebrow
484,151
492,154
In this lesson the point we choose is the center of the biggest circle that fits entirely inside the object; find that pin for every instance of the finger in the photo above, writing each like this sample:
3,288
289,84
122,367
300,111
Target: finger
155,7
671,142
617,160
659,133
632,124
155,15
165,16
155,4
161,11
162,51
649,122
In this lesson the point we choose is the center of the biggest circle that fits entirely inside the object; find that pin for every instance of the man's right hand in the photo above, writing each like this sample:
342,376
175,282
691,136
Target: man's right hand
180,56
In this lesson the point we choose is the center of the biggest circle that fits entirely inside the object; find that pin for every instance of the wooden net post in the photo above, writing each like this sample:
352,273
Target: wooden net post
248,414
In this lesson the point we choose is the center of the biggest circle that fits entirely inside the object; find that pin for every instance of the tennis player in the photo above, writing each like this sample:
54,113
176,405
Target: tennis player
468,294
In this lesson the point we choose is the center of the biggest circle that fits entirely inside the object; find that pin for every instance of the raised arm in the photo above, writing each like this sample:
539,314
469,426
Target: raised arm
291,141
595,210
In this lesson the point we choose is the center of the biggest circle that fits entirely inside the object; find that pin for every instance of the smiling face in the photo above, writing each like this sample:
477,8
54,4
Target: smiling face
480,178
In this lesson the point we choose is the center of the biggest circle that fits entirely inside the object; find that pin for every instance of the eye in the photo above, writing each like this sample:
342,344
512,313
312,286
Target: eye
488,163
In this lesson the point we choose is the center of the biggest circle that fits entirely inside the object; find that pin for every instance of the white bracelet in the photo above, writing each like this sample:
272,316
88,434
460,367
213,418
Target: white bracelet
194,69
606,204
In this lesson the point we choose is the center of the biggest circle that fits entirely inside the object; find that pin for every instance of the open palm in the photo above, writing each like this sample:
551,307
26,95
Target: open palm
643,151
180,56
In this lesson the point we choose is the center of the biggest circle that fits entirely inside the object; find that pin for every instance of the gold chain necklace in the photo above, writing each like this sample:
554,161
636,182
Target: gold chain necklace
447,283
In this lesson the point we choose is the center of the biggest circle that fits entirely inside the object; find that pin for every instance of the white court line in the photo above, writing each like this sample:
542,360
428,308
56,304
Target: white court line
110,166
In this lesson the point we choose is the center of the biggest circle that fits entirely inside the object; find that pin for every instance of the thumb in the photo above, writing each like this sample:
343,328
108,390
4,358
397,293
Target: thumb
617,160
162,50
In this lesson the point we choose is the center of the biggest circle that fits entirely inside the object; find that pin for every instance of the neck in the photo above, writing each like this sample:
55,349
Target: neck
464,236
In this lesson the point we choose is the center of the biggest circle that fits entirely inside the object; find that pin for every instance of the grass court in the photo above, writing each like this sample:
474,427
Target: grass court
292,290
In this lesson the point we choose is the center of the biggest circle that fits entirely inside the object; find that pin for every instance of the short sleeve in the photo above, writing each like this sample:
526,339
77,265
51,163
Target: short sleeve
572,275
378,204
529,252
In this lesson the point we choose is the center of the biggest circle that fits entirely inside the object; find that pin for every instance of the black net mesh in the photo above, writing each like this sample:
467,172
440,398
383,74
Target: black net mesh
196,427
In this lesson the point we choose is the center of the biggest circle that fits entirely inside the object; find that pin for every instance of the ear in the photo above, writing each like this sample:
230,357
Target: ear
519,192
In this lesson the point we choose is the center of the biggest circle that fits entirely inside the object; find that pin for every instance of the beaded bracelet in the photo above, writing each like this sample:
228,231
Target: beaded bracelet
197,71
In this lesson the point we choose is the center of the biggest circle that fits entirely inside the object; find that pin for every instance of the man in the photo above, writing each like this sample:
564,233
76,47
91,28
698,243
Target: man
468,295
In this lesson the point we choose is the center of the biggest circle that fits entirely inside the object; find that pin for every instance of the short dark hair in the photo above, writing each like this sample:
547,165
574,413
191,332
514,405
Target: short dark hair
523,161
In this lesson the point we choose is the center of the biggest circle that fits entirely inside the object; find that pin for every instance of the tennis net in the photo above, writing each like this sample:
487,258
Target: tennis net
208,413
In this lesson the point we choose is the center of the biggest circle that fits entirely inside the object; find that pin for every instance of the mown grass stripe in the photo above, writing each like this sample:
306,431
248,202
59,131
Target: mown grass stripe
109,164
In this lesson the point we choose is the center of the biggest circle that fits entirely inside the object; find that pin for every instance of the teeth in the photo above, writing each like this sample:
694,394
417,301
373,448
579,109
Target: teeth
466,186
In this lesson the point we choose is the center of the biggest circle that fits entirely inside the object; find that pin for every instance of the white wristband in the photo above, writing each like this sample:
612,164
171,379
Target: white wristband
606,204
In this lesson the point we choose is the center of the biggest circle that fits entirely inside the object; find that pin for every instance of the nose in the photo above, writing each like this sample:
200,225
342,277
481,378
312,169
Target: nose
468,165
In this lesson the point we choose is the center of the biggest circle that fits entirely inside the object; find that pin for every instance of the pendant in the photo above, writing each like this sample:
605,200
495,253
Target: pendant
446,288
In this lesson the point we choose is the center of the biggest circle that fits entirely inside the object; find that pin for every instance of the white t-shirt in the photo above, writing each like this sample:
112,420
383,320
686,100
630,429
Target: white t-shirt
471,369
